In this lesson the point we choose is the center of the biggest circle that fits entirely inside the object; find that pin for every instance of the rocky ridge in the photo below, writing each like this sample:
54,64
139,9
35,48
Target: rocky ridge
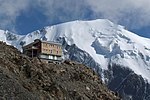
23,78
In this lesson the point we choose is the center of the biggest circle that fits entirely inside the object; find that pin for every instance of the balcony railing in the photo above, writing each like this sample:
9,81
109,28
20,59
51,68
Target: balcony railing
49,57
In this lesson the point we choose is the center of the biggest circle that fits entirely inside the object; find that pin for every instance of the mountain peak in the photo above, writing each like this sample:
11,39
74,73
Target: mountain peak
103,40
120,57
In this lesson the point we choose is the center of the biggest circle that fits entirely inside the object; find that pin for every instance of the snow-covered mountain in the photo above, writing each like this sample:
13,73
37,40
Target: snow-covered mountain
99,44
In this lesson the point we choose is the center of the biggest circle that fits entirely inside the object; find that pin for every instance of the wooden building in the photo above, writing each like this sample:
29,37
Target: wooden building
45,50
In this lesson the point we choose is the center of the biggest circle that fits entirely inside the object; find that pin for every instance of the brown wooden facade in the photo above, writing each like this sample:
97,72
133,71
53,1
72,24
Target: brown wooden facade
45,50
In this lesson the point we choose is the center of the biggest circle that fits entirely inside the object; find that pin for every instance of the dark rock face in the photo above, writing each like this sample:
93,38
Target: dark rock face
23,78
129,85
80,56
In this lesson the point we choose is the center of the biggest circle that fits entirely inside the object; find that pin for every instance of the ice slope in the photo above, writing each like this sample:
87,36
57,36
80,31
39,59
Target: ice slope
106,42
2,36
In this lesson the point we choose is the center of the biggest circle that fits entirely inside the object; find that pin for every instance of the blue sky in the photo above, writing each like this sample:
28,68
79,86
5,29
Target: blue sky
25,16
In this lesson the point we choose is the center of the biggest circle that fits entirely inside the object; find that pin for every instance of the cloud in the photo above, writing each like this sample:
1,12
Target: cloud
130,13
55,10
65,10
9,10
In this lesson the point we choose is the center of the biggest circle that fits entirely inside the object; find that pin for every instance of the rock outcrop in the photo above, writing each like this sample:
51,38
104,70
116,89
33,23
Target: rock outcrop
23,78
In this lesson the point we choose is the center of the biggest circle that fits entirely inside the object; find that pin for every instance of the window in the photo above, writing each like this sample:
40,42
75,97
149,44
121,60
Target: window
57,52
51,51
